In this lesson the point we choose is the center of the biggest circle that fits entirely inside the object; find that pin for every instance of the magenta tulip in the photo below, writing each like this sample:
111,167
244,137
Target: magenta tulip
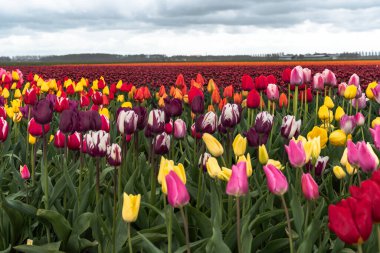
375,132
277,183
368,160
309,187
347,123
359,119
238,183
178,195
24,172
3,129
296,153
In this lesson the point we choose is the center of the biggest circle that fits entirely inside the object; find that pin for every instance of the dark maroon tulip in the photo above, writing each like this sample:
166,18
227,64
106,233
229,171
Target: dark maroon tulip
230,115
197,105
221,128
89,120
320,165
96,120
142,120
161,144
24,110
156,121
1,101
173,107
73,104
256,139
68,121
43,112
148,132
206,123
127,122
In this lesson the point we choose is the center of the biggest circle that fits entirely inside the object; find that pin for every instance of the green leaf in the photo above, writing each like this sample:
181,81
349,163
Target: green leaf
193,244
7,250
275,246
216,243
47,248
297,212
201,221
60,225
149,245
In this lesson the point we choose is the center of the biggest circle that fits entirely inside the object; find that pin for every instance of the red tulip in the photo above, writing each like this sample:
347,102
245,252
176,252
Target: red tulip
97,98
35,129
59,139
372,189
261,82
74,141
30,97
61,104
351,220
247,82
253,99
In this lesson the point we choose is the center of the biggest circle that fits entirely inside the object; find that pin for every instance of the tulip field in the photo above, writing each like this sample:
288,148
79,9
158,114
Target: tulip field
190,157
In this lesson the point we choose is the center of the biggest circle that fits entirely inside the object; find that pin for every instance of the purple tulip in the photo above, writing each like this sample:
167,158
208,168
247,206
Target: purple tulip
290,127
197,105
206,123
161,144
173,107
230,115
97,142
156,121
43,112
263,122
114,155
142,116
68,121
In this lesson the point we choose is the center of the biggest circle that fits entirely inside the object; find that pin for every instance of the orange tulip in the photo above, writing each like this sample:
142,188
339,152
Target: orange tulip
172,89
215,96
222,103
162,91
238,98
228,91
283,101
211,108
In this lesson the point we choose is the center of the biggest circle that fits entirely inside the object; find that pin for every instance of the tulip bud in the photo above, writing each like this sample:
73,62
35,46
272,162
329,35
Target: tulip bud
272,92
97,98
156,121
359,119
296,153
339,112
179,129
239,145
213,167
61,104
263,154
230,115
347,124
169,127
68,121
178,195
375,132
173,107
97,142
253,99
24,172
32,140
359,102
290,127
296,76
238,183
247,83
283,101
3,129
213,145
197,104
328,102
277,183
309,187
338,138
30,97
114,155
263,122
206,123
74,141
161,144
350,92
131,207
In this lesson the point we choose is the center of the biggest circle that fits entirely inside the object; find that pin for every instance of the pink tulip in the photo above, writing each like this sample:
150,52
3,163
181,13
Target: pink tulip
359,118
306,75
376,93
329,77
177,192
277,183
347,123
272,92
360,102
309,187
24,172
375,132
354,79
296,153
352,153
238,183
341,89
368,160
296,76
318,82
3,129
179,129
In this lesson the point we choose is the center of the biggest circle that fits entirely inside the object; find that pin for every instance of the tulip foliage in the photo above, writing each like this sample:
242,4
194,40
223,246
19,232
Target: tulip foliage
230,161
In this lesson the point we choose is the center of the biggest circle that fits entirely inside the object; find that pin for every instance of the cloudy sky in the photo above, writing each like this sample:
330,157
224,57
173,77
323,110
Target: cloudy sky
44,27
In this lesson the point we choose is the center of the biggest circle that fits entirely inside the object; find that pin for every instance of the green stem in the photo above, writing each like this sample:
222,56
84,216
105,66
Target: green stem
307,214
97,182
316,108
289,226
199,186
32,157
129,238
369,114
360,249
378,236
361,129
114,209
170,225
186,228
295,101
238,224
45,178
287,109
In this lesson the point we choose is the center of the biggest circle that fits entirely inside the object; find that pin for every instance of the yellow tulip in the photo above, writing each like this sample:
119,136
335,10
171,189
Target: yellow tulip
32,139
161,102
186,99
78,87
375,122
17,93
14,85
315,147
323,113
9,111
104,111
213,145
126,104
5,93
95,85
15,75
308,149
106,90
343,159
368,91
350,169
225,174
339,172
263,155
16,103
318,132
51,138
26,86
328,102
239,145
248,163
44,87
120,98
17,117
131,206
339,112
213,168
53,85
276,164
338,138
119,84
350,92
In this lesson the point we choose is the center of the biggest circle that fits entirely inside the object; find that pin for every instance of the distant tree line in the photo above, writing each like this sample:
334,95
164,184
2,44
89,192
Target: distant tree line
115,58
